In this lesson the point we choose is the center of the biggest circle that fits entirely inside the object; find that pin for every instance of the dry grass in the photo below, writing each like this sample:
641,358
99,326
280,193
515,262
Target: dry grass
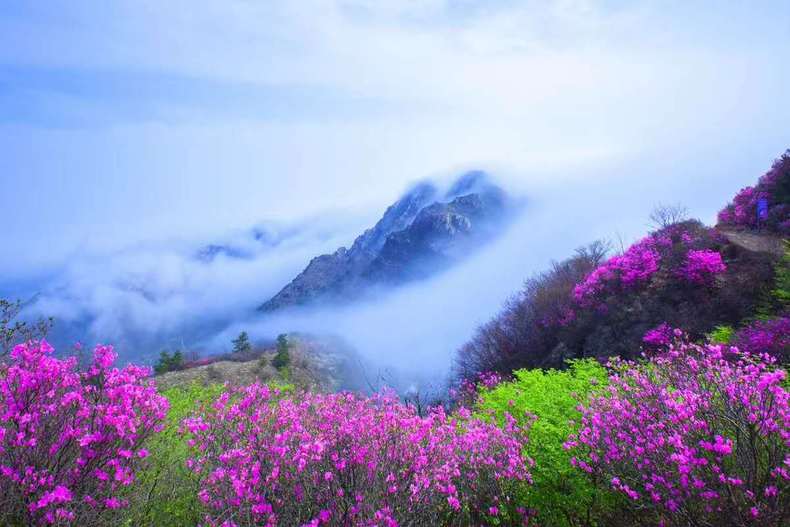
314,366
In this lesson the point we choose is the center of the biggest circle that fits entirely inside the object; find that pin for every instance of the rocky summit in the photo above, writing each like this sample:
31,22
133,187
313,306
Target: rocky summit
424,232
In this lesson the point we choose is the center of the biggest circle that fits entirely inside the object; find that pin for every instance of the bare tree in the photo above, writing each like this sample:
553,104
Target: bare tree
664,215
519,336
14,331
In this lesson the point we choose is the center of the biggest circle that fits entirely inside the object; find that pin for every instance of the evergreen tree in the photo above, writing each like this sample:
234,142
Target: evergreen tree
169,362
283,357
242,343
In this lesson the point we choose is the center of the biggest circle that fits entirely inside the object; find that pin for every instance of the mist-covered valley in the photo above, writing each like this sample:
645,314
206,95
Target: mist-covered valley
197,295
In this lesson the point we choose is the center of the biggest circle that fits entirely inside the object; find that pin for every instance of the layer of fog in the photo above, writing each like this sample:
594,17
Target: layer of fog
161,295
174,294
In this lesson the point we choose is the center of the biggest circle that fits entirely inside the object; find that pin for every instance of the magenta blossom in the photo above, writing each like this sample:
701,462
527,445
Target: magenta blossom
70,440
771,189
702,266
660,336
699,435
344,459
766,336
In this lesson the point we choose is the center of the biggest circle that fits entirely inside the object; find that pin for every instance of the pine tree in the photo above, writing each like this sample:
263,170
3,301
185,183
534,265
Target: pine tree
169,362
283,357
242,344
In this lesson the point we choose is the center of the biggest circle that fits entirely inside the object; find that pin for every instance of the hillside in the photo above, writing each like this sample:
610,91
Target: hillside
683,275
317,364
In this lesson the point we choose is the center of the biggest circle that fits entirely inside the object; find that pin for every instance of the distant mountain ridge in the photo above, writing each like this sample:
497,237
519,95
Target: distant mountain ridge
424,232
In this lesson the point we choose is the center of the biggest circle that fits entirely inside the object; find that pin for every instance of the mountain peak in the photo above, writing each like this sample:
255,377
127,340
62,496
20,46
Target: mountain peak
420,234
471,182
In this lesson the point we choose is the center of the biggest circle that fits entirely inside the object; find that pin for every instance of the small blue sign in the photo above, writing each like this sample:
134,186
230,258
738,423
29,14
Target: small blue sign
762,209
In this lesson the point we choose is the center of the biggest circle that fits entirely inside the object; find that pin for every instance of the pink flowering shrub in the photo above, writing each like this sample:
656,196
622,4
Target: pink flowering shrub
659,337
467,391
344,459
699,435
766,336
70,440
774,188
623,272
702,266
683,251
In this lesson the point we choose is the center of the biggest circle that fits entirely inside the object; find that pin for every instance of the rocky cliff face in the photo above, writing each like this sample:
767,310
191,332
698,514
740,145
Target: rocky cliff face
422,233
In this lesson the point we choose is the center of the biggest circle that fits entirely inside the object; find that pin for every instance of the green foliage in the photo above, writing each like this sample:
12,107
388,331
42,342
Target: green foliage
283,357
721,335
781,290
169,362
242,343
166,492
563,495
775,296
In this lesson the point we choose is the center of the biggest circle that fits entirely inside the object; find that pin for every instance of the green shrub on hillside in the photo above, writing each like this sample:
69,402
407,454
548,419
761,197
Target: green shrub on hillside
721,335
781,290
563,495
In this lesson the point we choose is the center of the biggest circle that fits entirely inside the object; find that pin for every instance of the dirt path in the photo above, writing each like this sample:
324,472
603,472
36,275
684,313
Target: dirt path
763,243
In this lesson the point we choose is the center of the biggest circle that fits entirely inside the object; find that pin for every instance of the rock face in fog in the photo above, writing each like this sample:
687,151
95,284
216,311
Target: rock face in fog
423,233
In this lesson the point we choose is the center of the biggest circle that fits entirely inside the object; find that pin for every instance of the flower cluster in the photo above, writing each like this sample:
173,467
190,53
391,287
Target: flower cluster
702,266
774,188
766,336
699,435
467,392
343,459
626,271
70,440
678,250
660,336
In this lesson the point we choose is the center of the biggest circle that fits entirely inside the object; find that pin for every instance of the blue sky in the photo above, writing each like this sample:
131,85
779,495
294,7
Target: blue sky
122,122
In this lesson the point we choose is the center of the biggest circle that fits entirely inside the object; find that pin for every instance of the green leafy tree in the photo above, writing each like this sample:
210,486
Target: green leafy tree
241,344
283,357
14,331
562,494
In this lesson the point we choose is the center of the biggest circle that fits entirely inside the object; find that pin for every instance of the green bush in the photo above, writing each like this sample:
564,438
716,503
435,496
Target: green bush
562,494
721,335
781,290
166,492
